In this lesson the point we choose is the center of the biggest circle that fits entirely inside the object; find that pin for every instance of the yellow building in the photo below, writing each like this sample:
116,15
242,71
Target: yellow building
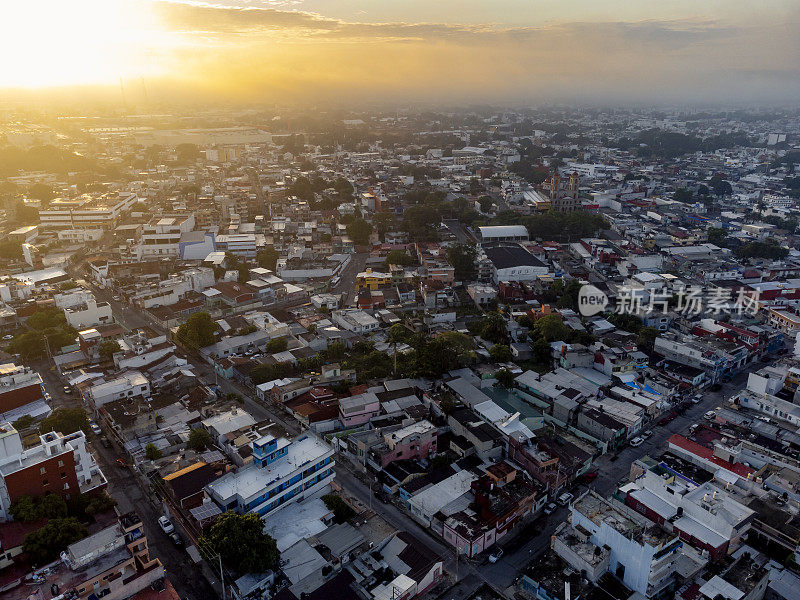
372,280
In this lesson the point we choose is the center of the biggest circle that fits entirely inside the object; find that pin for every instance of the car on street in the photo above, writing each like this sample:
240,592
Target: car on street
550,508
496,555
47,397
176,539
693,427
166,525
697,398
122,464
8,337
67,389
565,498
710,415
95,428
116,298
637,441
646,434
589,477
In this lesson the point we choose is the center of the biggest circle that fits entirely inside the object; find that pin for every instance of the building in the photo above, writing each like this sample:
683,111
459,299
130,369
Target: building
504,233
21,392
89,314
61,464
114,563
282,472
372,280
415,441
355,320
86,211
161,237
512,262
358,410
705,516
563,192
129,384
642,555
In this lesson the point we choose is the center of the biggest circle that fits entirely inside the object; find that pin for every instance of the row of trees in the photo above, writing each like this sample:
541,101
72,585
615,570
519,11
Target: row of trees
45,326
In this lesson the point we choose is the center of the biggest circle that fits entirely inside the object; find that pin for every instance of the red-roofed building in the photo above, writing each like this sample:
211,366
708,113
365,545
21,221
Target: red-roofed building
705,457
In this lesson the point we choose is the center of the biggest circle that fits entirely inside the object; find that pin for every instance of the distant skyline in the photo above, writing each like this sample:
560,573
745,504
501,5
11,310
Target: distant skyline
726,51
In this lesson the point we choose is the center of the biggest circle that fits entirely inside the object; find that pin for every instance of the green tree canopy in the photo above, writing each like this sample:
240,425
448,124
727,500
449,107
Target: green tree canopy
151,452
359,231
198,331
109,348
267,258
276,345
462,258
44,545
199,439
342,511
241,542
65,420
505,378
399,257
500,353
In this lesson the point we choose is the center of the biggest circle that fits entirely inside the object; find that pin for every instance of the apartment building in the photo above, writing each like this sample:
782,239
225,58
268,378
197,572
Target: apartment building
161,237
282,472
20,388
61,464
115,563
130,384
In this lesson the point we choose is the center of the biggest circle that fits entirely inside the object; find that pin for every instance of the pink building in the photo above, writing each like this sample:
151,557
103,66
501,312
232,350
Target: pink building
414,441
358,410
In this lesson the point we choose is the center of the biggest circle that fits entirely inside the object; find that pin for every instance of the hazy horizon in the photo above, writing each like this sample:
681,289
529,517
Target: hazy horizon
356,51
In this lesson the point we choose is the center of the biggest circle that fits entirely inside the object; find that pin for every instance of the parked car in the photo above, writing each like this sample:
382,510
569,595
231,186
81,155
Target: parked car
95,428
697,398
590,476
693,427
8,337
121,463
710,415
646,434
637,441
176,539
550,508
67,389
166,525
496,555
565,498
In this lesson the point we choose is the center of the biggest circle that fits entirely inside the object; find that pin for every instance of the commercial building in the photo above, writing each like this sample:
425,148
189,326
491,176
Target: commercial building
161,237
504,233
86,211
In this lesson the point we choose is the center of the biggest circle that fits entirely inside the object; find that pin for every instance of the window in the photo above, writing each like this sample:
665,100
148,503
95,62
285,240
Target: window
61,463
44,482
42,471
63,475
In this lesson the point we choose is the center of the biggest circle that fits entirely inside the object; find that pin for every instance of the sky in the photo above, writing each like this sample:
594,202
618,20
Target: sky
310,51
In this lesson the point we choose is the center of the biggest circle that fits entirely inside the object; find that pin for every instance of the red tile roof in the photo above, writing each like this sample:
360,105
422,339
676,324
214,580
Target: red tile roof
708,454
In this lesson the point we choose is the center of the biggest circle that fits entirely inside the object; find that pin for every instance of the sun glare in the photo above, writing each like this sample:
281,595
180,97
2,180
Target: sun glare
65,42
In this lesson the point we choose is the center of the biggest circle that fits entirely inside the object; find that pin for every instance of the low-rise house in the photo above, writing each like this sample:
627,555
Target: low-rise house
358,410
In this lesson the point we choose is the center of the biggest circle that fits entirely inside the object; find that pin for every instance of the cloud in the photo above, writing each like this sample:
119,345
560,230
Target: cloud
271,52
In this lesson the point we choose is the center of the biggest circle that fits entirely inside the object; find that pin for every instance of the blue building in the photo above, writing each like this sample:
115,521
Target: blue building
282,471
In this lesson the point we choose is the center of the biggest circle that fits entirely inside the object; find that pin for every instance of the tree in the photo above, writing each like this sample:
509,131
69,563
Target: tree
44,545
108,349
626,321
198,331
359,231
485,203
462,258
199,439
500,353
100,503
234,397
505,378
717,236
241,542
551,328
769,249
51,506
47,318
646,339
23,422
276,345
683,195
25,509
399,257
494,328
267,258
720,186
541,351
151,452
65,420
187,153
342,511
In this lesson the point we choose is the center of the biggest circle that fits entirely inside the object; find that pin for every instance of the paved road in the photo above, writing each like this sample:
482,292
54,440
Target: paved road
347,278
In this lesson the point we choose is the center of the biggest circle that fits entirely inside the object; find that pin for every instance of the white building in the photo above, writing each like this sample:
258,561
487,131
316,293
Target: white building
162,235
128,385
355,320
504,233
86,211
89,314
282,472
